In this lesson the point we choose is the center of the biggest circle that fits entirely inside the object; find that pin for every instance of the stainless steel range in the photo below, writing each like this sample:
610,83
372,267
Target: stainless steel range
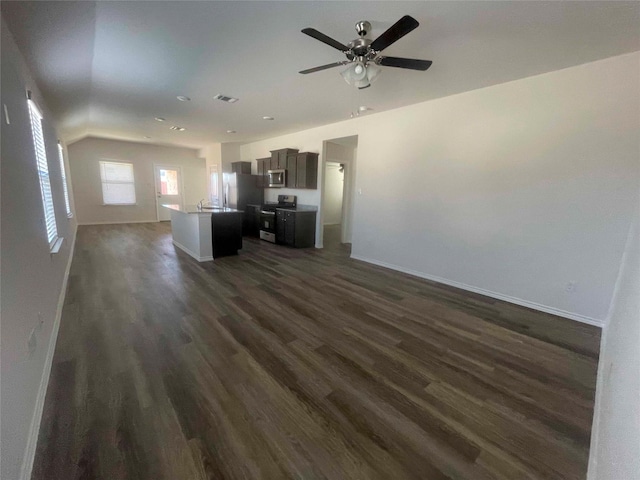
268,216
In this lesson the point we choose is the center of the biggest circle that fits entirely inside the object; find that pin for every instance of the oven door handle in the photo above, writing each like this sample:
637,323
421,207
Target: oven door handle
264,212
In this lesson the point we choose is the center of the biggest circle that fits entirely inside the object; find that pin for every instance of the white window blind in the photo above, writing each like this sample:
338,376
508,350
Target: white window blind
64,182
43,173
118,185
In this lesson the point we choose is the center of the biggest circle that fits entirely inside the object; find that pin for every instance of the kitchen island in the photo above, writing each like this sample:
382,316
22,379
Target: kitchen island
206,233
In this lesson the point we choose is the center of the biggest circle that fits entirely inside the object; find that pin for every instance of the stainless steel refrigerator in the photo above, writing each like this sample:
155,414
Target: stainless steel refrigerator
240,190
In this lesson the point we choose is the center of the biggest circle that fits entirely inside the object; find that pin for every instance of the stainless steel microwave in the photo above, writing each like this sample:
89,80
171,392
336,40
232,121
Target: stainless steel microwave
277,178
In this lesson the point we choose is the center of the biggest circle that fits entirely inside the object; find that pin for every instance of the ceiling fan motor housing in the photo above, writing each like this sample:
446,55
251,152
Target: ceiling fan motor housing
363,28
360,47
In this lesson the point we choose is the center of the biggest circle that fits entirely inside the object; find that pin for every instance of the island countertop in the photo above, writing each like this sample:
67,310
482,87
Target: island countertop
194,209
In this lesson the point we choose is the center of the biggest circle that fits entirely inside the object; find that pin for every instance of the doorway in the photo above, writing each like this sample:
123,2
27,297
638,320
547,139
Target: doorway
169,189
214,185
332,203
338,180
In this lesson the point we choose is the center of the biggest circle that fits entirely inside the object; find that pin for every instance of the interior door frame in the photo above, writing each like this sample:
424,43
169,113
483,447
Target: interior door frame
211,169
348,194
155,184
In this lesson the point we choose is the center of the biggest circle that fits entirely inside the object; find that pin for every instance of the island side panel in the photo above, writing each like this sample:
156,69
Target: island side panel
185,229
204,236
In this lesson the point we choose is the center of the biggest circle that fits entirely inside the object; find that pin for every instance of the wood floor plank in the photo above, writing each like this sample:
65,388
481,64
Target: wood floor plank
284,363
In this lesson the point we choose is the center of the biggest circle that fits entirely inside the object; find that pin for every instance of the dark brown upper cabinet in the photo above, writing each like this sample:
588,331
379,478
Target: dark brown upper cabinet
264,165
307,170
241,167
279,158
302,168
292,170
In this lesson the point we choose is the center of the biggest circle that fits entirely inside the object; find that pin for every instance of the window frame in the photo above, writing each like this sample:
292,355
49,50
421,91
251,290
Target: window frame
103,182
65,186
44,175
214,187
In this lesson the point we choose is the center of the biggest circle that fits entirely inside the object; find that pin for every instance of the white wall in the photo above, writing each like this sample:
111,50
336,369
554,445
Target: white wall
84,158
212,155
230,153
615,444
333,188
33,280
513,190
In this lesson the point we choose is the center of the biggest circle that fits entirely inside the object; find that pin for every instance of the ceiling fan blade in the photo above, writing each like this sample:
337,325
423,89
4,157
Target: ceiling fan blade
409,63
394,33
312,32
322,67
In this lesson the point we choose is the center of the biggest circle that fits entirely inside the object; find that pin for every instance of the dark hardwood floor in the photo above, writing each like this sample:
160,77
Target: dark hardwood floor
283,363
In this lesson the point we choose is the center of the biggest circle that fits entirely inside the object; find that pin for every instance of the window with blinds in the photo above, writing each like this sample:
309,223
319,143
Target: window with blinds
118,185
43,173
64,182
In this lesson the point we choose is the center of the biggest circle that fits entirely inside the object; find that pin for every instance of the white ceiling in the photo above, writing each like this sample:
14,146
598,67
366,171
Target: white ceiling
108,68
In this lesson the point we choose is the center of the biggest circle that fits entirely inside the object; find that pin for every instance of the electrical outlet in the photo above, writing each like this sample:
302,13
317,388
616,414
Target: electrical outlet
571,286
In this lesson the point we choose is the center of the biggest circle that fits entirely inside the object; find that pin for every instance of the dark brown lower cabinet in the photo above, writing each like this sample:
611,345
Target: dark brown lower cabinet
226,233
296,228
251,221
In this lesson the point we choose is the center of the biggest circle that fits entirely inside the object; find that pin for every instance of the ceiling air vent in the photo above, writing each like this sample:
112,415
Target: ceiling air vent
225,98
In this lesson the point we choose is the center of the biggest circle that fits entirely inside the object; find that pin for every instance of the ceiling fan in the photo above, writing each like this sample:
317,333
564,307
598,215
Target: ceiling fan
363,54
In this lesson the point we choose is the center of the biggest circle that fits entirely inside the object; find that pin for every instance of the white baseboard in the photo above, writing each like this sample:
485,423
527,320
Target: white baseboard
192,254
34,428
155,220
507,298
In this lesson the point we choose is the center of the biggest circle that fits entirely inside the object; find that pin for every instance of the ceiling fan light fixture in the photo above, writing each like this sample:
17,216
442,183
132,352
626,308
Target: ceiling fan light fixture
372,72
359,71
356,74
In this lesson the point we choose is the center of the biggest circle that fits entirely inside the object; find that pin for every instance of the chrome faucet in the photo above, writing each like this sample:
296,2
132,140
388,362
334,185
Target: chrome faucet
200,204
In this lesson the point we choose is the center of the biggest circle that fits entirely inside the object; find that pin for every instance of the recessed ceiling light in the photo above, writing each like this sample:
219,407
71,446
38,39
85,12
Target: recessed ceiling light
364,108
268,118
231,131
225,98
180,129
159,119
182,98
